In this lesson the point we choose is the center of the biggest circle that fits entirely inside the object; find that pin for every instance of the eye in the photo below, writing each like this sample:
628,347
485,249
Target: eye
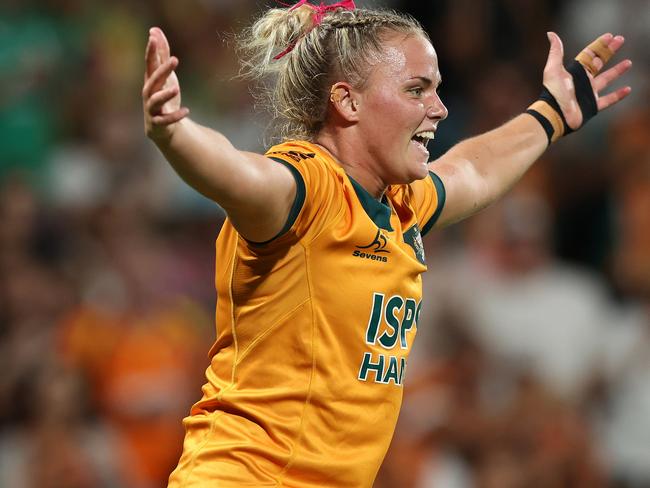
417,91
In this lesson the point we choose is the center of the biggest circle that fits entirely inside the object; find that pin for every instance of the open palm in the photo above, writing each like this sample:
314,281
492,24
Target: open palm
561,84
161,93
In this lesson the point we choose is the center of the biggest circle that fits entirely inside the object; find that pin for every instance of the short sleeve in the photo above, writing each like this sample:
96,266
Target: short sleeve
428,199
318,195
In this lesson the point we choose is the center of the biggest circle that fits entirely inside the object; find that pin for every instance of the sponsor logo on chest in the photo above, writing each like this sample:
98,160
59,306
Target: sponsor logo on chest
388,325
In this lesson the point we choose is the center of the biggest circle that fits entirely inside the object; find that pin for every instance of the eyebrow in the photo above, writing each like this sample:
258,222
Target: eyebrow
425,80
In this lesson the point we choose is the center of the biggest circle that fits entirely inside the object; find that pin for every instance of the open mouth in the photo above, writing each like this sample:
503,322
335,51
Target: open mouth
423,138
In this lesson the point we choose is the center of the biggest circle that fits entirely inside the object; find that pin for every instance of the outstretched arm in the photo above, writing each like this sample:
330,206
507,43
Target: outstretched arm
256,192
479,170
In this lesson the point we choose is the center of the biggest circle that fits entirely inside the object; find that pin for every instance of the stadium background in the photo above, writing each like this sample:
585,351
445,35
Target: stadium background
532,362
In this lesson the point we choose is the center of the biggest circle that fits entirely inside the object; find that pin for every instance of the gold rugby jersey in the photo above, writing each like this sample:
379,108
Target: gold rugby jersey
313,331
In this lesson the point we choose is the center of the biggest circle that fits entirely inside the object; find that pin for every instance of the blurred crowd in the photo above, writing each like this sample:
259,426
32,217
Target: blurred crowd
532,364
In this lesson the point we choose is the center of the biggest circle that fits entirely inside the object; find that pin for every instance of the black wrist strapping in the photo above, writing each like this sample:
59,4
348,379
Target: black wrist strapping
547,111
584,91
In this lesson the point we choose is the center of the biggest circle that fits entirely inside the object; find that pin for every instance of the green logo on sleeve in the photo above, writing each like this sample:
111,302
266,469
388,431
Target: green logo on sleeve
413,238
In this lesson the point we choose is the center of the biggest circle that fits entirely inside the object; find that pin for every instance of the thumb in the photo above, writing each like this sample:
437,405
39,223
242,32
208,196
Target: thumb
556,51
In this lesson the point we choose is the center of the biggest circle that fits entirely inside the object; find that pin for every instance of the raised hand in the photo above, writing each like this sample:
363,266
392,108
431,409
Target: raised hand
560,82
161,93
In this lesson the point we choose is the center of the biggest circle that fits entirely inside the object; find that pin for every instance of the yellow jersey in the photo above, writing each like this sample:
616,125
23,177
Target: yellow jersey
313,332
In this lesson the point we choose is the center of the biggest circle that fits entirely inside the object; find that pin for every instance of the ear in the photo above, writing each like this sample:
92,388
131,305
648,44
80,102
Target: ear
343,101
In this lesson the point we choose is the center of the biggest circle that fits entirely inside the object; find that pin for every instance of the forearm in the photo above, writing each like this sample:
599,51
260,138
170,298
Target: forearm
478,171
501,156
207,161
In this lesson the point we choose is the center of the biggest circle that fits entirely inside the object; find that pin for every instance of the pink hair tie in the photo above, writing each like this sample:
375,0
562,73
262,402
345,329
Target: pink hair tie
320,11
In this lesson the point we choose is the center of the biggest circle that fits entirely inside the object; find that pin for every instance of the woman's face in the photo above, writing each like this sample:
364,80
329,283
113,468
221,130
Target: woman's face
400,108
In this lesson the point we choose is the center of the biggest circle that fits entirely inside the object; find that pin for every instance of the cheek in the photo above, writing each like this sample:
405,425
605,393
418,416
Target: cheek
393,117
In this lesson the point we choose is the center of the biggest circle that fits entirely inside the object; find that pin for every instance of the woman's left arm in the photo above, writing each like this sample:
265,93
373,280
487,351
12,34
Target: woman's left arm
477,171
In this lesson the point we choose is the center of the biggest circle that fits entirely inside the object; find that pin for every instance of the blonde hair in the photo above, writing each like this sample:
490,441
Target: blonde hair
296,87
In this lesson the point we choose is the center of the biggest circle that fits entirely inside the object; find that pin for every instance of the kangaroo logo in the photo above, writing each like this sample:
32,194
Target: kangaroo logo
378,245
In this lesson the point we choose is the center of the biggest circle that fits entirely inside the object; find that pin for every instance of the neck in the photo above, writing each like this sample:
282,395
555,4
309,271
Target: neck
355,163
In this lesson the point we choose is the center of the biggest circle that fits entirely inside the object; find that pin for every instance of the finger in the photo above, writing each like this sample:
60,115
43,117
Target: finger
596,62
616,43
603,80
598,53
155,103
150,59
556,51
158,78
613,98
163,43
171,118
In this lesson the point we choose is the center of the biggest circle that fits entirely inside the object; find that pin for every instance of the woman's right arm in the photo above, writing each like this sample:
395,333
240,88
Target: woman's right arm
256,192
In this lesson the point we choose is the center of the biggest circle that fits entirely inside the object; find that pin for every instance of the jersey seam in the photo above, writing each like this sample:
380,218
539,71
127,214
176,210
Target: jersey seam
232,318
298,441
269,330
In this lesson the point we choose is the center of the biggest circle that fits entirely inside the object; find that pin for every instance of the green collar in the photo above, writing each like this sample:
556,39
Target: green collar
379,212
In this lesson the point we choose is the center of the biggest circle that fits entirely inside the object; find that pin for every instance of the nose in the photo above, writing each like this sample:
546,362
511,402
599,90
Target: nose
437,109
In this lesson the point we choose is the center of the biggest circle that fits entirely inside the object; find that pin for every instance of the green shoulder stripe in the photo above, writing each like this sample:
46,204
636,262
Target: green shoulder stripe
298,201
442,195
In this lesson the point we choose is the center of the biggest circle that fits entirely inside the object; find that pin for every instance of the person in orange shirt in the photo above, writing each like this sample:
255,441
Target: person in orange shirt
319,261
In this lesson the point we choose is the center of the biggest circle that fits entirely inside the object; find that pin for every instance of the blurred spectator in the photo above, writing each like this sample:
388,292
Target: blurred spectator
524,306
56,446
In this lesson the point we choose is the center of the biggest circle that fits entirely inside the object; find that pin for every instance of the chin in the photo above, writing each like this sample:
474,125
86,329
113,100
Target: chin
416,171
420,171
418,166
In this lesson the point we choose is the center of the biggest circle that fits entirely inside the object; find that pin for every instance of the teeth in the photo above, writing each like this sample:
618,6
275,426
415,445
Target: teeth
429,134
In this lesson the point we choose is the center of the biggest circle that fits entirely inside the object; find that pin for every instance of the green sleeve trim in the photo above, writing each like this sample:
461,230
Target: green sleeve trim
298,202
442,196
